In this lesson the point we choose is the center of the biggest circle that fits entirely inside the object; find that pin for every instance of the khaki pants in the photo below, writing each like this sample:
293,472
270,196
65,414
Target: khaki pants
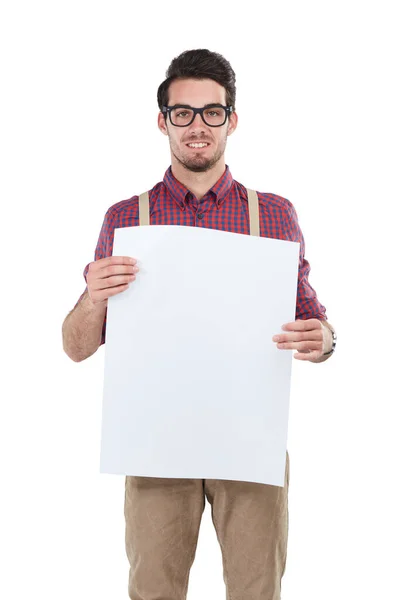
162,525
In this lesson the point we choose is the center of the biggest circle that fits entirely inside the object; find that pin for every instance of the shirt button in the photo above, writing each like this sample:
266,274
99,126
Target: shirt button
200,215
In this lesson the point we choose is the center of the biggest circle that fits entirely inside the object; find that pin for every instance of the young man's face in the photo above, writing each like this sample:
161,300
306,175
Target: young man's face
197,93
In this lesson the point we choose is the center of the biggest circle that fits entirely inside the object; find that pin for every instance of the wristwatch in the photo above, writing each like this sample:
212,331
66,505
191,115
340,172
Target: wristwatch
333,342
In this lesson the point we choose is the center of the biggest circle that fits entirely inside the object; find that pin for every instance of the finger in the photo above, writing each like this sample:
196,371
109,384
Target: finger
116,290
103,295
298,336
106,283
307,355
303,325
112,260
120,260
111,270
303,346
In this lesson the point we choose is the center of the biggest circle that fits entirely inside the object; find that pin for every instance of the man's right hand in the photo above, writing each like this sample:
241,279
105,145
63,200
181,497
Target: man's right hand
110,276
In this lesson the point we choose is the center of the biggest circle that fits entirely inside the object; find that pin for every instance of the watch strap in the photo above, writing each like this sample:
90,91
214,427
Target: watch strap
334,337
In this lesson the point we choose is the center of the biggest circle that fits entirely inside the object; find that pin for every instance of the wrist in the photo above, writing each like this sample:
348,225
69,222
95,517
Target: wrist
330,344
90,306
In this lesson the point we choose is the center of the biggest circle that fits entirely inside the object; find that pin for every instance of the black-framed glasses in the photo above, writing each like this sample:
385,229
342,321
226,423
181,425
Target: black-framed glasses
182,115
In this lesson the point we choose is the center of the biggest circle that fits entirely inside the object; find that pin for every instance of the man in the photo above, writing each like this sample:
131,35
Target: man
197,113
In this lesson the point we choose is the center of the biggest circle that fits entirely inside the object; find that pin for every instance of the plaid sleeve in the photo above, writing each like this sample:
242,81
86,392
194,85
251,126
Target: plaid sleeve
307,303
104,249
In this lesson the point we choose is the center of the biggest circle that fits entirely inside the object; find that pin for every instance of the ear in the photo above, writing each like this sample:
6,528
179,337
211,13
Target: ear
162,124
233,121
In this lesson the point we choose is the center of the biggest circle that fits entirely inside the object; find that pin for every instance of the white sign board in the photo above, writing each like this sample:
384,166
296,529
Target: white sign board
194,386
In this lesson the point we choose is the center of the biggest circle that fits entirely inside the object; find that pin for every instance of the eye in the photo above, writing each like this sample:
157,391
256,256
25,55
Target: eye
216,112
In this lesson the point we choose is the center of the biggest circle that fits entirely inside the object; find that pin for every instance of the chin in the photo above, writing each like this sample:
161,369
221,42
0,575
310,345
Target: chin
202,165
199,167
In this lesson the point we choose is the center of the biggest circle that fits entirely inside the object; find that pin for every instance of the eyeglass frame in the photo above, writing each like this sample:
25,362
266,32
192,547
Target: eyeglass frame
167,109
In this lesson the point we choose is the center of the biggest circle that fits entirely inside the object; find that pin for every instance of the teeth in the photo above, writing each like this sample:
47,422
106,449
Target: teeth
197,145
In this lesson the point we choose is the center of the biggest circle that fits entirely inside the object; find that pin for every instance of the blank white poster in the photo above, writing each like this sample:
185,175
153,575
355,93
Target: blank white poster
194,386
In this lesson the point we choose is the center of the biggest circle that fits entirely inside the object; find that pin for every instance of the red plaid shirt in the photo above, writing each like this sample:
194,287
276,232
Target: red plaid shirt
223,207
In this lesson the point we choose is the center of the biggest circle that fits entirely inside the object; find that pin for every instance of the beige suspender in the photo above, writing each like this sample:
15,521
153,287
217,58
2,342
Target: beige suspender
254,214
144,209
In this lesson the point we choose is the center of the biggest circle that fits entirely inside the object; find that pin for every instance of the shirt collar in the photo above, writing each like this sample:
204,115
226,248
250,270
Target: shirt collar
179,191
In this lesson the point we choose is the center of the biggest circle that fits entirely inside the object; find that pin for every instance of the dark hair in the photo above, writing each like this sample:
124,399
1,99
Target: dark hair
199,64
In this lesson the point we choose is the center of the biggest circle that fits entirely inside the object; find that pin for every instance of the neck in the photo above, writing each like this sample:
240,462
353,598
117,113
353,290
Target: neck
198,183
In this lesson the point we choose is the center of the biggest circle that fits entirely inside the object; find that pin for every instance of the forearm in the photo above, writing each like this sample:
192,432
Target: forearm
82,329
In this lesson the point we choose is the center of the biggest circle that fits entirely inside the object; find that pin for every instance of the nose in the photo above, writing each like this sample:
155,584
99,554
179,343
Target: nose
198,122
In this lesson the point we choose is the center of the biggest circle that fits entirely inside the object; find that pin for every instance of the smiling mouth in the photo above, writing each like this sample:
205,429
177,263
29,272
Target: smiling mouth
198,145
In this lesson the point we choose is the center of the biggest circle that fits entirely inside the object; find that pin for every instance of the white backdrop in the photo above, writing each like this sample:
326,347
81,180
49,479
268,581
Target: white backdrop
317,100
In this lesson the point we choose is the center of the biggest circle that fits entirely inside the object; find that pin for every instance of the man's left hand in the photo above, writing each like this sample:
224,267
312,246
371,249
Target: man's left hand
308,336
